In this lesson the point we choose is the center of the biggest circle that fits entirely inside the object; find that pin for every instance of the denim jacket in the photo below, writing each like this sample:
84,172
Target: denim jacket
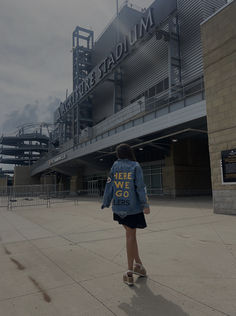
125,188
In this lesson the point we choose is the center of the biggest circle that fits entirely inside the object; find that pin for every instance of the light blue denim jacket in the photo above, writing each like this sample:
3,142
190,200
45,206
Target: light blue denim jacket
125,188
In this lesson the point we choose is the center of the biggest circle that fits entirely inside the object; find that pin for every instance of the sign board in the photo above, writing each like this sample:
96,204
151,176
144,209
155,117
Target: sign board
56,159
149,21
228,166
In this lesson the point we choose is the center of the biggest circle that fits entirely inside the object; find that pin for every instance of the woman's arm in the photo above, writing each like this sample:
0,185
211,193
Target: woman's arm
108,193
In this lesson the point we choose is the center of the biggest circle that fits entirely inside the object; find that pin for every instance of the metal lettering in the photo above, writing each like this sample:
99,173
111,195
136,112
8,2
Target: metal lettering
76,95
119,51
111,61
82,88
133,35
125,45
93,78
100,70
87,84
105,64
137,32
144,25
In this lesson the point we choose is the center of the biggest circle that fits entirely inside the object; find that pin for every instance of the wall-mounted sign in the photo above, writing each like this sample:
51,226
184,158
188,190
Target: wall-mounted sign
149,21
228,165
56,159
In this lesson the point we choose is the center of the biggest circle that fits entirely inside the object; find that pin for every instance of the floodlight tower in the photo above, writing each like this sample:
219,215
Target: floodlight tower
82,44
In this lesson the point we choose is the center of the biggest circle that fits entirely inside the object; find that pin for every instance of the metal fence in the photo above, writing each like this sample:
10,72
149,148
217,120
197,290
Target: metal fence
4,200
28,189
24,200
23,196
38,199
89,193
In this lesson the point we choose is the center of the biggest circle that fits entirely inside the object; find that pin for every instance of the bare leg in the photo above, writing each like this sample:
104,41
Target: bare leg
136,253
131,247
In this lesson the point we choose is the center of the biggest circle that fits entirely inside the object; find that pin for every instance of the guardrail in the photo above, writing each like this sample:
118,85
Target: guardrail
39,199
28,189
24,200
186,94
12,199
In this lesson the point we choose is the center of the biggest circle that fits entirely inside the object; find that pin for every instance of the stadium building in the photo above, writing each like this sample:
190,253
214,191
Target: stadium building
141,82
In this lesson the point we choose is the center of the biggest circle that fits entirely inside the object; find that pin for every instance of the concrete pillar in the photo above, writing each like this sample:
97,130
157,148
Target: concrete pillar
187,170
73,184
49,179
60,185
168,176
76,183
3,181
192,167
49,182
219,56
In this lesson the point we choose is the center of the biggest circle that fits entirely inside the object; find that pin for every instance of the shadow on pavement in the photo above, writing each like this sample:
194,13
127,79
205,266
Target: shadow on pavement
145,302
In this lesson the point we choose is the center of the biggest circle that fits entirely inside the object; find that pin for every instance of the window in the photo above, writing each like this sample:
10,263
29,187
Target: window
152,92
159,87
166,83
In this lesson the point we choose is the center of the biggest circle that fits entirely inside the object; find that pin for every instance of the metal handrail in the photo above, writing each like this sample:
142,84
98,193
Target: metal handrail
151,104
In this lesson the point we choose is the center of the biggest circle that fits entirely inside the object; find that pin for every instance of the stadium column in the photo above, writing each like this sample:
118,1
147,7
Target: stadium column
3,181
76,183
168,175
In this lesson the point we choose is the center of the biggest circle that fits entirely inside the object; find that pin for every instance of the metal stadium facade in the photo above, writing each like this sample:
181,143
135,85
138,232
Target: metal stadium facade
141,82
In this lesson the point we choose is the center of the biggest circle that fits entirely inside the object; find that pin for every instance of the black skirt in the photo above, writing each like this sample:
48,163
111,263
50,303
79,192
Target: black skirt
132,221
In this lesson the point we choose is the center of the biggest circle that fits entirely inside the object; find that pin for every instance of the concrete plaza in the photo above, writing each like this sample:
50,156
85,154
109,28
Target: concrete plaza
68,260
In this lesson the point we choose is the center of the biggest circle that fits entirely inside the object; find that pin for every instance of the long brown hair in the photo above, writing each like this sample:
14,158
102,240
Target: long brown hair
124,151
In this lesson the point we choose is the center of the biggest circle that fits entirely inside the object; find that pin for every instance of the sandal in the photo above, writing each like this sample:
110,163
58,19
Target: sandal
139,270
128,277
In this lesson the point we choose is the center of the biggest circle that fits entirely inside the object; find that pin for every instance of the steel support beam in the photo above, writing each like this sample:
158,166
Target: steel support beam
174,60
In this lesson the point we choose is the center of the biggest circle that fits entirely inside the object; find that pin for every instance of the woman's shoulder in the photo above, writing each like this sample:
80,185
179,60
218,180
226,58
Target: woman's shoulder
136,164
115,163
125,162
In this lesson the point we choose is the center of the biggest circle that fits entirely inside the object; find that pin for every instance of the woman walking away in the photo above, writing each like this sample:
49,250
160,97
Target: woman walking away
126,189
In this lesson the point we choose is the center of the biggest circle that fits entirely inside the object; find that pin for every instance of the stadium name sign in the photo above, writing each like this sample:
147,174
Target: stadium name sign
121,49
110,62
56,159
136,33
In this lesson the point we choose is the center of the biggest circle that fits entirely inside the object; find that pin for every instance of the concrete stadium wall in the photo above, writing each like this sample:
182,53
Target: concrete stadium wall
219,54
22,176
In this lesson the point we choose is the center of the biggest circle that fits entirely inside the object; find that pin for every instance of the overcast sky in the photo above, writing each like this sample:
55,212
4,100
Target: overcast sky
35,57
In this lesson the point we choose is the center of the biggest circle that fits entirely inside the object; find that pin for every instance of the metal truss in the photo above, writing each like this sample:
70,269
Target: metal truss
118,85
174,60
82,44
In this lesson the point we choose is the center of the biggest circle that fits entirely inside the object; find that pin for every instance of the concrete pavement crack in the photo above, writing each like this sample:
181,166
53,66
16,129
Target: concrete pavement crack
35,292
59,267
224,244
149,232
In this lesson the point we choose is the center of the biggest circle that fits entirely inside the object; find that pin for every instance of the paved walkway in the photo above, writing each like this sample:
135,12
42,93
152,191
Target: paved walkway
68,261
